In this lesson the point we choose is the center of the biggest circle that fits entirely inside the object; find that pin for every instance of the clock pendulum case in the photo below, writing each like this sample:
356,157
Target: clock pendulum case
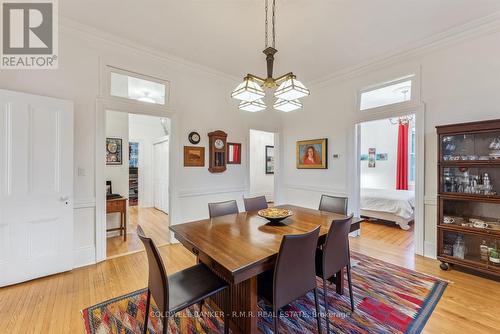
217,151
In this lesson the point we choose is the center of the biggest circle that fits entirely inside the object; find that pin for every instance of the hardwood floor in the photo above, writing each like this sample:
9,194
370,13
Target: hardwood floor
52,304
154,222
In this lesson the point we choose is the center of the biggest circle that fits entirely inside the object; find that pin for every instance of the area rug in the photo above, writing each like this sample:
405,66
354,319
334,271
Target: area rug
388,299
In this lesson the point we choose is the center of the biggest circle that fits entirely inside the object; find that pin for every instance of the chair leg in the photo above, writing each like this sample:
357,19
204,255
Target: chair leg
276,318
146,313
327,317
350,285
318,319
165,323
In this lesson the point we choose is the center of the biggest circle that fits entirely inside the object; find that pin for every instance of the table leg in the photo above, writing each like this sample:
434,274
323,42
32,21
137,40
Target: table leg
124,226
339,282
243,306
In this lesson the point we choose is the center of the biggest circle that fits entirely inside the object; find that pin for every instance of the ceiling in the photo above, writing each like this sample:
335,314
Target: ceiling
314,38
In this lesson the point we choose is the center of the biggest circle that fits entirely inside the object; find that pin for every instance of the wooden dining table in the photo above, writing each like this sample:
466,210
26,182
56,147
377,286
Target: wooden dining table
241,246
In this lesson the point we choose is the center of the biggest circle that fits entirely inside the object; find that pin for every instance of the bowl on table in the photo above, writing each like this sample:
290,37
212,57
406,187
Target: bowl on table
275,215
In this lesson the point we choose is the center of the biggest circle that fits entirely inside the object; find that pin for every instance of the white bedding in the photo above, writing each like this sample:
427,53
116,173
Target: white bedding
398,202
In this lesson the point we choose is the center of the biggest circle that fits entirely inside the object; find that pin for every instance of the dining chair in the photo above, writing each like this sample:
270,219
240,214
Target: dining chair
333,204
255,203
293,275
181,290
333,257
222,208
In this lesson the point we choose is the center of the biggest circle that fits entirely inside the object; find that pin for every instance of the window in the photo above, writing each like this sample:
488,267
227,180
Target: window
393,92
411,162
137,87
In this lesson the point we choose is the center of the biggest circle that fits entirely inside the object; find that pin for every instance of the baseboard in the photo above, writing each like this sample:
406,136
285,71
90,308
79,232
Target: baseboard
430,249
84,256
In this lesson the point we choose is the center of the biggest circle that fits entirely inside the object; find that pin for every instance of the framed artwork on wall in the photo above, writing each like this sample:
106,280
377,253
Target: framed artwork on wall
194,156
114,151
234,153
312,154
372,156
269,159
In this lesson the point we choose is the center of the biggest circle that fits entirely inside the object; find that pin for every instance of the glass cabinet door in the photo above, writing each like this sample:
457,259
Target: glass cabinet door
471,147
475,249
484,181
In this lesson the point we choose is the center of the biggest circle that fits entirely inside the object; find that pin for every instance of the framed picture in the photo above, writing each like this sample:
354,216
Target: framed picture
114,151
372,156
109,188
269,159
312,154
234,153
382,156
194,156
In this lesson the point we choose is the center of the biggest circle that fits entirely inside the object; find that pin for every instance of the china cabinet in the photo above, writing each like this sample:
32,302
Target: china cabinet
469,196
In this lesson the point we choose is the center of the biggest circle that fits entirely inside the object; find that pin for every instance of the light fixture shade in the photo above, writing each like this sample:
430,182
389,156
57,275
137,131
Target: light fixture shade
286,106
291,89
248,91
254,106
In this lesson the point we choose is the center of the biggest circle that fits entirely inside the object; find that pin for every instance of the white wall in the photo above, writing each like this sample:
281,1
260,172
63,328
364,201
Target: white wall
261,184
459,83
383,136
145,130
211,108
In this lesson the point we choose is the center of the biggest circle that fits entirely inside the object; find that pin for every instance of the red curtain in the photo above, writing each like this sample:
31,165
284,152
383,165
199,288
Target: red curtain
402,165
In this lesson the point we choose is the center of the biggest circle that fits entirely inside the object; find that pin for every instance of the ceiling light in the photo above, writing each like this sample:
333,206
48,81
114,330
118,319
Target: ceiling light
248,91
146,98
291,89
254,106
286,106
251,89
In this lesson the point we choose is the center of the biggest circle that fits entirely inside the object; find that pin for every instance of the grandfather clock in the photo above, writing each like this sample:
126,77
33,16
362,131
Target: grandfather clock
217,150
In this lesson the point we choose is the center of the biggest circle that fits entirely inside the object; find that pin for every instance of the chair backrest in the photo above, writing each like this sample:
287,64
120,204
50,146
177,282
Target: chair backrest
158,279
294,273
333,204
222,208
336,247
255,203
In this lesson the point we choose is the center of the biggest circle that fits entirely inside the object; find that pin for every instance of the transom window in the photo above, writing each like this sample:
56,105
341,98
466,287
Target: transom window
389,93
137,87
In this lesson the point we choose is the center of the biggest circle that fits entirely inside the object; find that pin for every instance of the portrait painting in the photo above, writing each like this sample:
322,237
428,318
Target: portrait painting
194,156
312,154
113,151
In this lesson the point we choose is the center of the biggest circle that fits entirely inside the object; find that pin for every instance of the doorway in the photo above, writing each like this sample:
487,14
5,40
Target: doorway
387,164
262,164
136,173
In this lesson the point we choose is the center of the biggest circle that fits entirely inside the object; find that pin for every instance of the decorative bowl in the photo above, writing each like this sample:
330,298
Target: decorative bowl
275,215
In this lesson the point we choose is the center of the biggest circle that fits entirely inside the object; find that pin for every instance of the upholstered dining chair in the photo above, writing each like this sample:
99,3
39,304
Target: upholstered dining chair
222,208
333,257
333,204
181,290
255,203
293,275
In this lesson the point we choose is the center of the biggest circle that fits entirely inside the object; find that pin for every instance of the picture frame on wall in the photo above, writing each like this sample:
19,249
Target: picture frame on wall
233,153
114,151
269,159
194,156
372,157
312,154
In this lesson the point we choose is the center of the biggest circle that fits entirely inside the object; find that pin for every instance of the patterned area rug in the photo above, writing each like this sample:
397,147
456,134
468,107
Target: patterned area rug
388,299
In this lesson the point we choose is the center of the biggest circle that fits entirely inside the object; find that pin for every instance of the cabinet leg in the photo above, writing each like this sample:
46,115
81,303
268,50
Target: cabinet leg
444,266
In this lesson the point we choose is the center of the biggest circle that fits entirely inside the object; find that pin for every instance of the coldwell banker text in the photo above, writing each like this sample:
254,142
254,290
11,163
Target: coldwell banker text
29,35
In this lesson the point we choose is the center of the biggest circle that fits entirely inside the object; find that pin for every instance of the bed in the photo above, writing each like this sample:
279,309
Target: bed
389,205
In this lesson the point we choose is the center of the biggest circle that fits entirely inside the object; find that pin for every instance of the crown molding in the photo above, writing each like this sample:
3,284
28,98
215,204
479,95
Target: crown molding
67,24
483,26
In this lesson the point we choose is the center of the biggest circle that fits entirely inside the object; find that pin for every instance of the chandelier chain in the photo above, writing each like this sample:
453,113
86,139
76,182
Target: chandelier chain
267,24
273,23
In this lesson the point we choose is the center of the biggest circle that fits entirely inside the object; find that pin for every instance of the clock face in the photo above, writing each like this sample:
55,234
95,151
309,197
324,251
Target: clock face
219,144
194,138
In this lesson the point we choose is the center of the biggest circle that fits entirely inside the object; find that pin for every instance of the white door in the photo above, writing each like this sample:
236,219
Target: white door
36,186
160,175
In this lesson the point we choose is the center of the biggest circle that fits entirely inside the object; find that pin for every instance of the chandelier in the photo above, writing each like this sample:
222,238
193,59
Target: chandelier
288,90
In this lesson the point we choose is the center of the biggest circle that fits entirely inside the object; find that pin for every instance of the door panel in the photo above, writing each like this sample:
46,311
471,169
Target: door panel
36,173
160,175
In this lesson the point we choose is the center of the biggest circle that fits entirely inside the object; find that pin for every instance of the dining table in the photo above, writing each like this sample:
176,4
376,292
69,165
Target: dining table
239,247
